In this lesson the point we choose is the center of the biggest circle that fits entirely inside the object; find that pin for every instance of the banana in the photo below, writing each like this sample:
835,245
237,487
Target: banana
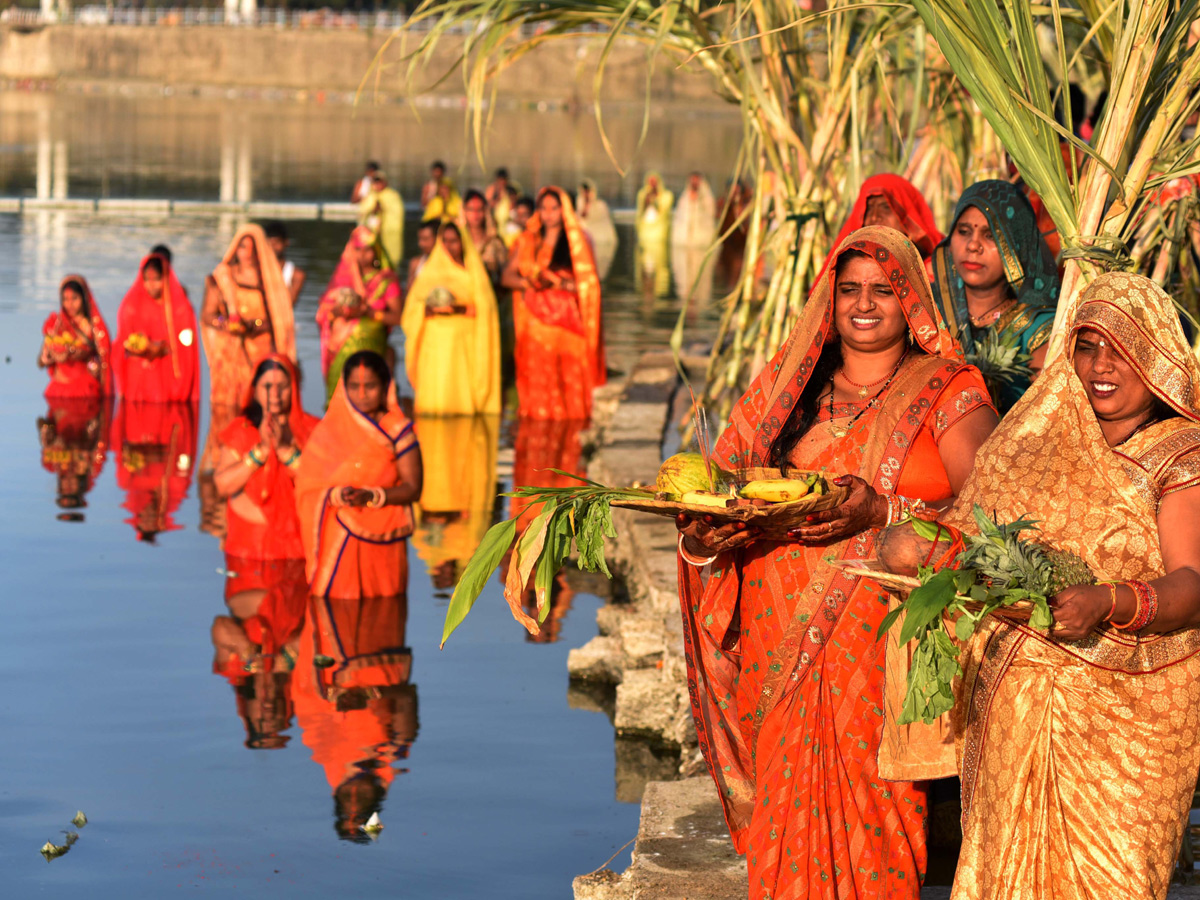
778,490
704,498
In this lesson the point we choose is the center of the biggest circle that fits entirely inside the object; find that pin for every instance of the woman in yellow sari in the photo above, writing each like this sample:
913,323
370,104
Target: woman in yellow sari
1077,750
452,332
654,206
382,210
247,315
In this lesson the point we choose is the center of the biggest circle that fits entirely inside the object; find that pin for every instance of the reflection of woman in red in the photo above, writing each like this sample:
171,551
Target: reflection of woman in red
76,344
74,435
157,360
157,442
260,452
357,711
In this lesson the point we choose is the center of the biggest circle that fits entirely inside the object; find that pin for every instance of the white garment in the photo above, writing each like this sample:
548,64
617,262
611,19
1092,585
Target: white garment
288,270
695,222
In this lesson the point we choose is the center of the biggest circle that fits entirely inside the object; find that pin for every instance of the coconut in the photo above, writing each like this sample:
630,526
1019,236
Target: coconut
686,472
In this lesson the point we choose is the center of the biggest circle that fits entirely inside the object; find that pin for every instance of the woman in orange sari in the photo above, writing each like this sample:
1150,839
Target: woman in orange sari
261,451
247,315
556,311
355,486
157,360
784,671
76,345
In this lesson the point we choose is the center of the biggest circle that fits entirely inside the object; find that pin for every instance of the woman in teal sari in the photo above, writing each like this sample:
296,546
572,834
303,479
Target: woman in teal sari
360,306
994,278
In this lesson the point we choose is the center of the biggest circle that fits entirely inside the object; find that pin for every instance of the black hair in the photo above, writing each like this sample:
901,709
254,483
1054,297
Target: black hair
526,201
372,166
164,251
77,287
254,410
452,226
438,164
430,225
156,264
804,414
502,173
474,194
561,258
275,229
372,361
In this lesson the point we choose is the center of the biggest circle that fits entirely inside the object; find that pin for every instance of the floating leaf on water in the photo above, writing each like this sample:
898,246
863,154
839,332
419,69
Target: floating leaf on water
72,837
321,661
54,851
373,826
80,819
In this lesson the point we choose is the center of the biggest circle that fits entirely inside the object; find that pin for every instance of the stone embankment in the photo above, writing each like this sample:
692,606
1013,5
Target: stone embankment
682,850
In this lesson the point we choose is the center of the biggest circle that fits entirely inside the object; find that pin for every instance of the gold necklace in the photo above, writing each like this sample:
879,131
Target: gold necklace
977,320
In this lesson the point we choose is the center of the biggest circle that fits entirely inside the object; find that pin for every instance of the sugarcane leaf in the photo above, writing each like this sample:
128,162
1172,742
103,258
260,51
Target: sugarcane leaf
926,603
485,560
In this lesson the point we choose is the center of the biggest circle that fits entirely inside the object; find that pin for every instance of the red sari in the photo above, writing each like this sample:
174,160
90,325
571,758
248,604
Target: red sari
168,379
267,526
82,365
157,443
74,435
784,671
354,552
559,334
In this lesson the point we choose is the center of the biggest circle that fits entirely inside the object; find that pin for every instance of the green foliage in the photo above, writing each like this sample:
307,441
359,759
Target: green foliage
998,568
483,562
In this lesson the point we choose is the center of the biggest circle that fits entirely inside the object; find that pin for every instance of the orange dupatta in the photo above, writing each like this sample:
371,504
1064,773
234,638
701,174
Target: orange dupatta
350,449
785,675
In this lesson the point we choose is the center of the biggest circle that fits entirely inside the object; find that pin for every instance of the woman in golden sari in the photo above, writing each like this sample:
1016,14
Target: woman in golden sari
247,315
556,313
452,332
358,307
355,486
1077,750
784,671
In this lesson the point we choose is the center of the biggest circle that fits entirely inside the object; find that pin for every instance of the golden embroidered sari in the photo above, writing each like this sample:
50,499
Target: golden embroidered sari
1078,759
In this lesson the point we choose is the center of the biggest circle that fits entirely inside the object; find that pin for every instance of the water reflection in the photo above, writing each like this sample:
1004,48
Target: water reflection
74,436
157,443
354,701
456,506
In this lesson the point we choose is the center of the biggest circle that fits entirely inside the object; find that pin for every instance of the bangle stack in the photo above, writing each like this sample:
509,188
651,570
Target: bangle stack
293,460
900,508
1146,610
691,560
253,460
378,498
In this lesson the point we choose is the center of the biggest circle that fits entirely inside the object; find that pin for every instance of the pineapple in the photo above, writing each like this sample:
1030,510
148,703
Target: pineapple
1065,570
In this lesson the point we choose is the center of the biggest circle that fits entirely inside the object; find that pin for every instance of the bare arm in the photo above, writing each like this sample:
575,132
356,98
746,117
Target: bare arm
412,480
960,444
211,307
232,473
512,277
298,278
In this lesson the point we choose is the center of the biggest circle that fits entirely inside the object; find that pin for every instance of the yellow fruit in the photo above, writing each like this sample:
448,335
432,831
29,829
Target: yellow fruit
685,472
776,490
704,498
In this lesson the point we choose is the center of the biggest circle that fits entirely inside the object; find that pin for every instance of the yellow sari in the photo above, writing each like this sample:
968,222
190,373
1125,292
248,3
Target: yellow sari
1078,759
654,234
452,336
383,212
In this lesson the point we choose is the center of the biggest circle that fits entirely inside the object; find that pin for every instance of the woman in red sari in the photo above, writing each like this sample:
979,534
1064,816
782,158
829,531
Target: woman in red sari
260,453
156,359
784,670
355,486
76,347
556,312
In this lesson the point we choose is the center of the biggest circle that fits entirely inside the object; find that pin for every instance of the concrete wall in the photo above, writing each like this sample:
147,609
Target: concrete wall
296,59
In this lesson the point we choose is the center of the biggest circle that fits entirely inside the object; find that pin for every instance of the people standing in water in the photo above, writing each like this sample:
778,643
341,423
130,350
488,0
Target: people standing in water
359,307
446,205
452,331
76,345
260,453
293,276
247,315
499,197
693,232
480,228
363,186
157,357
427,233
357,480
556,312
429,190
994,276
654,205
383,212
597,221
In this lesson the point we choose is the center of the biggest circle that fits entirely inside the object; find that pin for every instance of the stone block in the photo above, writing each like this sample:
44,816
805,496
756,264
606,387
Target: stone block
649,705
642,640
641,762
600,659
604,884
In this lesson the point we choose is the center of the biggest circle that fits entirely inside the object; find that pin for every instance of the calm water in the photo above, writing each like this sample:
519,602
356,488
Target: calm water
113,707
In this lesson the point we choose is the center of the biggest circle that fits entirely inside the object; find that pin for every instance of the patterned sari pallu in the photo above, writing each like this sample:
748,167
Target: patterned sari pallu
785,675
1079,759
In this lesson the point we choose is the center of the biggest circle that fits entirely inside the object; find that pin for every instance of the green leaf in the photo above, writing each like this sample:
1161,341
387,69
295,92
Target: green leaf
964,628
926,603
483,563
888,621
1042,618
926,529
964,581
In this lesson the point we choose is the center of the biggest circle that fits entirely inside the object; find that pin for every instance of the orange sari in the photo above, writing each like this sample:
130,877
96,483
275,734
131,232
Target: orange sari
267,526
560,339
354,551
784,671
173,378
233,358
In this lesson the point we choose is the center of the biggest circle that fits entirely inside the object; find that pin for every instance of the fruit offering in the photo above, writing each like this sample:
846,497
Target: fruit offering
785,490
137,343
